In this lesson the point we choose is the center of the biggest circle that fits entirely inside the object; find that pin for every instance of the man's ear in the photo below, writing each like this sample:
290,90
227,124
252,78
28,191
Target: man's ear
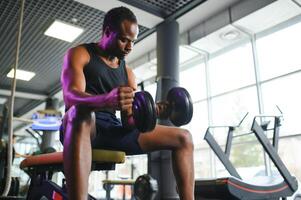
107,31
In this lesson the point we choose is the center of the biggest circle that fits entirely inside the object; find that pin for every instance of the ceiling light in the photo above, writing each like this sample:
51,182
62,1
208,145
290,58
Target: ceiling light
230,35
21,74
63,31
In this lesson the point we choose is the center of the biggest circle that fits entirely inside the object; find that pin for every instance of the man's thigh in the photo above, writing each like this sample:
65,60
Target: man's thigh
164,138
112,136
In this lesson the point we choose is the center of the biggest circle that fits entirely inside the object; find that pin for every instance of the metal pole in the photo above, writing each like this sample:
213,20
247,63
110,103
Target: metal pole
167,78
48,137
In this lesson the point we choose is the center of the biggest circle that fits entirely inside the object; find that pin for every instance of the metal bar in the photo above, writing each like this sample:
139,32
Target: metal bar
37,132
27,121
24,95
244,134
229,141
276,133
292,183
35,137
141,85
220,154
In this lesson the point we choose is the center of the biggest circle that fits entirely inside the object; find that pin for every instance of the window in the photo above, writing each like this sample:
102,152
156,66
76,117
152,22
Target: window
194,80
279,53
284,92
231,70
199,122
152,89
229,109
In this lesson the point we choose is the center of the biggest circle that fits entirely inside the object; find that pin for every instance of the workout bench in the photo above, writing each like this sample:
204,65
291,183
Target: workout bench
41,168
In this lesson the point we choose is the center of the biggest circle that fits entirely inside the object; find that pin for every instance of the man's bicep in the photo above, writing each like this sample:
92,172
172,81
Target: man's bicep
73,76
131,78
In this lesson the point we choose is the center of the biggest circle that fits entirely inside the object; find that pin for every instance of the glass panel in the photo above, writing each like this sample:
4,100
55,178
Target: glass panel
229,109
199,122
194,80
289,149
284,92
202,161
186,54
231,70
247,156
152,89
145,72
246,153
279,53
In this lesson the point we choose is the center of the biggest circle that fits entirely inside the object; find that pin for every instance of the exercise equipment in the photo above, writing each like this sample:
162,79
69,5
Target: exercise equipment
145,188
260,187
108,185
15,182
144,111
46,120
41,168
178,107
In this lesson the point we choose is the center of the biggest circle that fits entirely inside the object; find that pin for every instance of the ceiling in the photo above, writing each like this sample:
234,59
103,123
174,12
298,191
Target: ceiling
43,55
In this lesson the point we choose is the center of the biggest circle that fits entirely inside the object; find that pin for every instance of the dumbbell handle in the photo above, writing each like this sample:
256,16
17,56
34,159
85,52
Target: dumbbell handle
163,109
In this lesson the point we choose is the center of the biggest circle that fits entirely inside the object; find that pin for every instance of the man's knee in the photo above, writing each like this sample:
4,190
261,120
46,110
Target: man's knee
80,114
185,138
79,119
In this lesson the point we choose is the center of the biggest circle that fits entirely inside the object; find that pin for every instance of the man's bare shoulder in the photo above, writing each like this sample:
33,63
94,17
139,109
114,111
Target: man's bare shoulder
77,55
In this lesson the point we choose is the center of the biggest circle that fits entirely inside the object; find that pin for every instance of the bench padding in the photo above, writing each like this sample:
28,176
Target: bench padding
98,156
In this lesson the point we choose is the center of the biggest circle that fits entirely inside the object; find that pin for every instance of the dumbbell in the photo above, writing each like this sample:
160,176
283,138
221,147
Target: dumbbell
144,111
178,107
145,188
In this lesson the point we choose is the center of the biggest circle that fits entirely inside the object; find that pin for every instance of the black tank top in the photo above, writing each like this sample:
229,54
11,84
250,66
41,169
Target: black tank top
101,78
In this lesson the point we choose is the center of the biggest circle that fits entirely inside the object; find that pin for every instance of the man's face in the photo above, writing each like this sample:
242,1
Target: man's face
122,41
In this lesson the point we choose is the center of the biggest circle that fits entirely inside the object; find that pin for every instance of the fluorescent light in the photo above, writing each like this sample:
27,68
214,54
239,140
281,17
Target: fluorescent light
21,74
63,31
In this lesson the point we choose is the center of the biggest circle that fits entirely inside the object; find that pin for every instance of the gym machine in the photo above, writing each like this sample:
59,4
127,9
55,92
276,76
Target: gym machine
259,188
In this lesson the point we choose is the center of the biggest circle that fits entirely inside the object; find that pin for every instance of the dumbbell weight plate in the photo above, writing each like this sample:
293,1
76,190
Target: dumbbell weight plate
144,111
145,188
181,106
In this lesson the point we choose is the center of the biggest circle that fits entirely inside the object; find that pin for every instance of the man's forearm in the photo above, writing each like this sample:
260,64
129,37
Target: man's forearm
93,101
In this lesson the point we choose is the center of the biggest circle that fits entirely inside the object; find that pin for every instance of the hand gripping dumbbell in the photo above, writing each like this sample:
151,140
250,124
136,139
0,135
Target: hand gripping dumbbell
178,107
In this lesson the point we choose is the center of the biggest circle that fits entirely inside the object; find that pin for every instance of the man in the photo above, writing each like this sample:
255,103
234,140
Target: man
96,82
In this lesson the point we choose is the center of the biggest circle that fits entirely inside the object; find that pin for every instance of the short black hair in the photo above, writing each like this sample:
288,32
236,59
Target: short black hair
115,16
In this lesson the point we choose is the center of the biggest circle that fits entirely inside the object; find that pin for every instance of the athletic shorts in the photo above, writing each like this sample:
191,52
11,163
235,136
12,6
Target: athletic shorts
111,135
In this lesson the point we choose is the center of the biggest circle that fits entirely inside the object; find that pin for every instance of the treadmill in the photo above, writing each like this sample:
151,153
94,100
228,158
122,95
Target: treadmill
258,188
